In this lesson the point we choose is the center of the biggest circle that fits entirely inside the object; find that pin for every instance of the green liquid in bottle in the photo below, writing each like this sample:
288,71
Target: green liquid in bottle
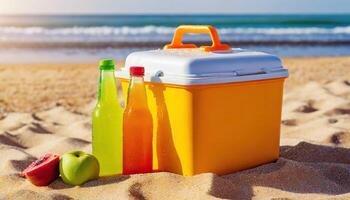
107,123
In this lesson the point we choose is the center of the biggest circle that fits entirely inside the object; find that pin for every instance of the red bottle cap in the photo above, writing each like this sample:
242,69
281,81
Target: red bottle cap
137,71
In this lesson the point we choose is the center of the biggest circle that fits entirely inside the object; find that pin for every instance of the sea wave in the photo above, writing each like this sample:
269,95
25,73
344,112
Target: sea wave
281,31
104,30
153,34
125,30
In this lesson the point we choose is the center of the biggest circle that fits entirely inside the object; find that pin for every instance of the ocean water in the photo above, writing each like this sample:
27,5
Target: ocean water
91,37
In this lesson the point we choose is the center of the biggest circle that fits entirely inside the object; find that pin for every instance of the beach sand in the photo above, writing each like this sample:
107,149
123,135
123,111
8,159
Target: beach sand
46,108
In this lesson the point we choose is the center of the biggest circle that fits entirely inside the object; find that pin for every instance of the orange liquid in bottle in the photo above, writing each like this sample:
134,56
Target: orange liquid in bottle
137,129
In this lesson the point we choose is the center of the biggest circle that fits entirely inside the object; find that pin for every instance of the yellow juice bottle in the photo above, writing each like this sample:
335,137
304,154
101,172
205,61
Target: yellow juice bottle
107,123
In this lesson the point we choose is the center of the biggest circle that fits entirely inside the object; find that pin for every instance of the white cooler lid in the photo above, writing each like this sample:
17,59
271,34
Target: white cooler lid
198,67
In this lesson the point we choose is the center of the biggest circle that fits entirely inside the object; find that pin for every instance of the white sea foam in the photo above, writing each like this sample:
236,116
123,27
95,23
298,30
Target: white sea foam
159,33
103,30
281,31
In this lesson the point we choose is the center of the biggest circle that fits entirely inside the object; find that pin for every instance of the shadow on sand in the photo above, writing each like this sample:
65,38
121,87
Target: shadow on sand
59,184
304,168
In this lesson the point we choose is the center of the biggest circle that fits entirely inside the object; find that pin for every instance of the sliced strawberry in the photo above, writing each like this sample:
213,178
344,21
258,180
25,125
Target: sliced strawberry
43,171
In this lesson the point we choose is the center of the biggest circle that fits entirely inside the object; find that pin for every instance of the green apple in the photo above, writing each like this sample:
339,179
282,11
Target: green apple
78,167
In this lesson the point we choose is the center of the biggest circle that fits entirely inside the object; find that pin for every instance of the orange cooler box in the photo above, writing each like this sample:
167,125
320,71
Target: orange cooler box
215,108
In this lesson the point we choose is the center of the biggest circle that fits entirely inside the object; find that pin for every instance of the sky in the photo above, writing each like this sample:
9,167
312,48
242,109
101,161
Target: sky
173,6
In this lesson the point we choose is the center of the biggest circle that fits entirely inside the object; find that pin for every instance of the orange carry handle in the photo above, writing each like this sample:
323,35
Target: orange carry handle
199,29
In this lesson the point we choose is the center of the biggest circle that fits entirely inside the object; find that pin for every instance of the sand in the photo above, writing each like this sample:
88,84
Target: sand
47,108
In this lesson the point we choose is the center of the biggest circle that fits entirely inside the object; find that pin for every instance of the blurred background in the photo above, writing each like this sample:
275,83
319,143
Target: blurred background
87,30
49,53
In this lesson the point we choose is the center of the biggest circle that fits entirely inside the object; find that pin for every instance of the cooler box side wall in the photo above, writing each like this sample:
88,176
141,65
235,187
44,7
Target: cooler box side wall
237,125
218,128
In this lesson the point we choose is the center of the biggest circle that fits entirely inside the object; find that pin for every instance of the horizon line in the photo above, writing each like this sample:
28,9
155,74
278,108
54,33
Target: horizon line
170,14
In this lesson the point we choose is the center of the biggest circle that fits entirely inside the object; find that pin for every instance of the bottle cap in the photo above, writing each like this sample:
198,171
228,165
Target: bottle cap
137,71
107,64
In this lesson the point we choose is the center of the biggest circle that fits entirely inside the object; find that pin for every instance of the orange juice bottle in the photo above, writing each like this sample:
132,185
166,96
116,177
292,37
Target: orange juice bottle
137,127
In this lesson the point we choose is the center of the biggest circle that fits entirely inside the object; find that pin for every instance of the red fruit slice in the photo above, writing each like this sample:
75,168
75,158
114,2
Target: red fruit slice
44,170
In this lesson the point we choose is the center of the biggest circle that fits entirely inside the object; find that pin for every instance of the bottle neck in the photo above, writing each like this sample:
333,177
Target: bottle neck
107,87
137,92
137,79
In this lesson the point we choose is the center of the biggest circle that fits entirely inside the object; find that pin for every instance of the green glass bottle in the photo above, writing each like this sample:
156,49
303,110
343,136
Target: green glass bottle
107,123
